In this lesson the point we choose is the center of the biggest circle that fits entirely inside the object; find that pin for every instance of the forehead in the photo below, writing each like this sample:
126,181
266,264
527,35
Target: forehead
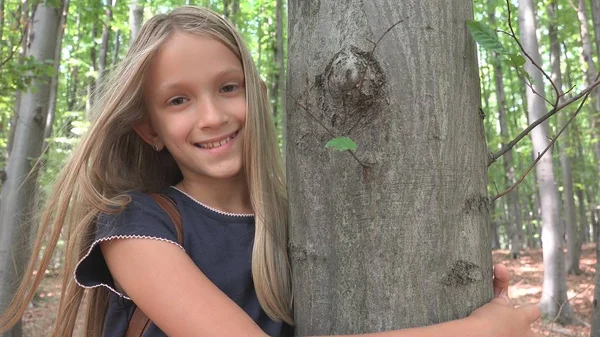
186,56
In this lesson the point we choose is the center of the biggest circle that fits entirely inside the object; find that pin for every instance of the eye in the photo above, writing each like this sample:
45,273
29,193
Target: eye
229,88
177,101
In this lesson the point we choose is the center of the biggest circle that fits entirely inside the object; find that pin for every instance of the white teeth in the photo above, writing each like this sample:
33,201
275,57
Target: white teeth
216,144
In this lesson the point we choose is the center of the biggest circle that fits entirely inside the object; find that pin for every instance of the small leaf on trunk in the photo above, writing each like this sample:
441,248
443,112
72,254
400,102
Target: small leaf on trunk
341,144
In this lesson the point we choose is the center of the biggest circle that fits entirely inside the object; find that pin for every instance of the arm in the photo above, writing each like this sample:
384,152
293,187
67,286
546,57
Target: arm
168,287
196,307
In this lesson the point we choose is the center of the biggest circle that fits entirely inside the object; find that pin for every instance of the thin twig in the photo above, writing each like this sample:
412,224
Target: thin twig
23,34
545,150
514,36
550,113
563,304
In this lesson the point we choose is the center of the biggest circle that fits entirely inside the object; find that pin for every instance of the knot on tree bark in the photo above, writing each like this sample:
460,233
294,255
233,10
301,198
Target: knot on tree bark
462,273
349,87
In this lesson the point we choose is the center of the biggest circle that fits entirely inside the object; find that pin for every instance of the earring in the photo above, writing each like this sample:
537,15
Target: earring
156,148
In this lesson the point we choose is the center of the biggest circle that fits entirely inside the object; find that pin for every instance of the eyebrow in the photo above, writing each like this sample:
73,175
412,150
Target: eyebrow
174,84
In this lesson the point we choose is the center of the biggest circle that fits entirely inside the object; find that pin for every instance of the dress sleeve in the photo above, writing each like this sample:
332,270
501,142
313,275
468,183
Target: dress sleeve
143,219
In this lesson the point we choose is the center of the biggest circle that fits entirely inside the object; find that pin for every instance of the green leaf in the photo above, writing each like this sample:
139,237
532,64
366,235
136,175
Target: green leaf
485,36
517,59
341,144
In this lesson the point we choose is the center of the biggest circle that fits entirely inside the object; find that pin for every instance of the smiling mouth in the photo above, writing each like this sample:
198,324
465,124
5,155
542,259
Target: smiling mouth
214,145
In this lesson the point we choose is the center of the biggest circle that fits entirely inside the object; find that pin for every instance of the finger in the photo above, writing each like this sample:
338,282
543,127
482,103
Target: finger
501,280
531,312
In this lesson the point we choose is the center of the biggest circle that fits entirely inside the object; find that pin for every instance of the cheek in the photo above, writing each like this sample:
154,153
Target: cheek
175,128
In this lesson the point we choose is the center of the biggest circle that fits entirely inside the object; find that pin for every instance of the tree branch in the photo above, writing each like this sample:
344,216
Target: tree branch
539,157
514,36
550,113
23,34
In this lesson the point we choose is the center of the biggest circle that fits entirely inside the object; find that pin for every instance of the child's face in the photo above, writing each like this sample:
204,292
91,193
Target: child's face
196,100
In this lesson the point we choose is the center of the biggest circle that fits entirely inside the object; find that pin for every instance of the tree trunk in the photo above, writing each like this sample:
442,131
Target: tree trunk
573,240
595,331
279,74
515,222
235,9
226,8
396,234
596,115
54,82
109,5
91,87
585,229
18,191
555,280
136,16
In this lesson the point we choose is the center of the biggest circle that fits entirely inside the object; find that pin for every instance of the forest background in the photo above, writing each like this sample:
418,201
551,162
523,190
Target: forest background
94,35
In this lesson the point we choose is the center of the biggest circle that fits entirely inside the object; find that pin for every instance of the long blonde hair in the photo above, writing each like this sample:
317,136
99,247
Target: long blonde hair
112,160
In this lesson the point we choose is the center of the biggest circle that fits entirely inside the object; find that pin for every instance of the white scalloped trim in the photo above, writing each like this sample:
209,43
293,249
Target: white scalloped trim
211,208
117,237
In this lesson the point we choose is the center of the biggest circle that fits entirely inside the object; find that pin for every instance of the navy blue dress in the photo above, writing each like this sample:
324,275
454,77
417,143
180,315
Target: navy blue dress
219,243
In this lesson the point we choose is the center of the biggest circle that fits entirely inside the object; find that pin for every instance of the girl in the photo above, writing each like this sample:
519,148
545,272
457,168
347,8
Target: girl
187,115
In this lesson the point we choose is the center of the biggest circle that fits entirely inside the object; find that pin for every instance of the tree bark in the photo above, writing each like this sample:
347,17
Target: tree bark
554,292
136,16
396,234
573,240
19,190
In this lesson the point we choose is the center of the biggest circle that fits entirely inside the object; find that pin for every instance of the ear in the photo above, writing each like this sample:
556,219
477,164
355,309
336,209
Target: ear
145,130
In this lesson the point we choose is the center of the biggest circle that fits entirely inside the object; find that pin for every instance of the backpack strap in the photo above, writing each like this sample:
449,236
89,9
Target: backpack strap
139,322
168,205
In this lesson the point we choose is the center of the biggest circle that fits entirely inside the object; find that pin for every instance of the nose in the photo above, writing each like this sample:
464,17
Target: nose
211,114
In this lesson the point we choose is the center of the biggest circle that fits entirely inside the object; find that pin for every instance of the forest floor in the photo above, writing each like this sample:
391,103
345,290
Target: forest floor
526,288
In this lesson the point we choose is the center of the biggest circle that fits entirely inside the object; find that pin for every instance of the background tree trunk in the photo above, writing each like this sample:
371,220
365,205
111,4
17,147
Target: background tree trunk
595,332
596,116
108,12
515,221
279,74
555,280
402,238
54,82
18,192
136,16
573,240
91,87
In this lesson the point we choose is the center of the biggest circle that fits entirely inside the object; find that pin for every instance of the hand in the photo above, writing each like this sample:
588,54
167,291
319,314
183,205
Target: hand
499,317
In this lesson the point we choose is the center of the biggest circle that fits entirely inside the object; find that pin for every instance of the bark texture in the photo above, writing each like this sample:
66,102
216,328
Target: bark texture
555,279
18,192
400,235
